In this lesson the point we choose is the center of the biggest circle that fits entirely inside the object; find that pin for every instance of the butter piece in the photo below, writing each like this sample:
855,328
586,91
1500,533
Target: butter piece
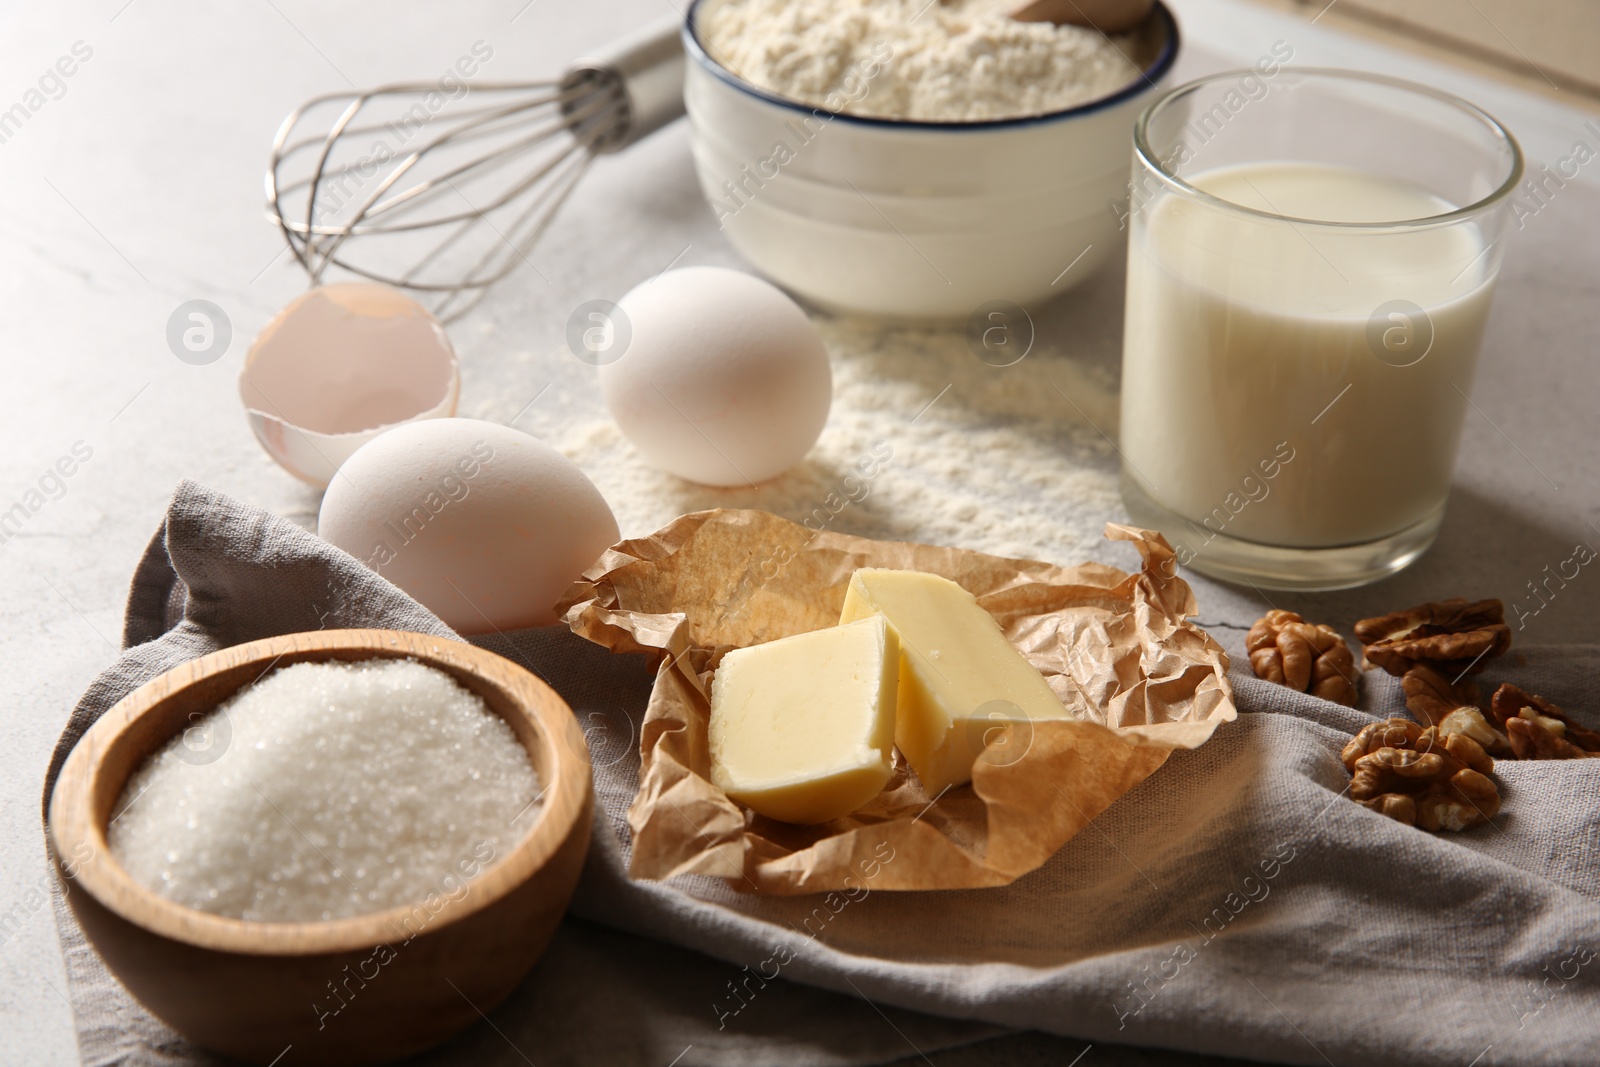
959,676
802,728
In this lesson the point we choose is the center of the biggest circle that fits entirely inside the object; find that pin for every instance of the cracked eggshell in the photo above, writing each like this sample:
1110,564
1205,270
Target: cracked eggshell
339,366
484,525
724,380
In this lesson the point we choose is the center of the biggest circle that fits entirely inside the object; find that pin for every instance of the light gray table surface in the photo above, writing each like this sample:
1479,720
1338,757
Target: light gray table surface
138,186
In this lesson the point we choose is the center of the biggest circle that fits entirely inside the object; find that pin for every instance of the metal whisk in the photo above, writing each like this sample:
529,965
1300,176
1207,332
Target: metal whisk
459,178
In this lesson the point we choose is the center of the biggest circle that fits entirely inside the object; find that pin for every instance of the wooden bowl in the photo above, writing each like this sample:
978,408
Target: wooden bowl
366,989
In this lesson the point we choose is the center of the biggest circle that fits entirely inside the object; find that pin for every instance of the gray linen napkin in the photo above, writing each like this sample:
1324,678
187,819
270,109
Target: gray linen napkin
220,572
1232,904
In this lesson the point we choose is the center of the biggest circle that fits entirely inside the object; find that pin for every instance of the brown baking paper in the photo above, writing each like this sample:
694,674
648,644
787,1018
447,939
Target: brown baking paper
1115,647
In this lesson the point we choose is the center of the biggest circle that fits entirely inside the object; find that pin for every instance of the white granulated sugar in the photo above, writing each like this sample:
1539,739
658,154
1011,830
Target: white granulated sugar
343,788
961,61
1007,460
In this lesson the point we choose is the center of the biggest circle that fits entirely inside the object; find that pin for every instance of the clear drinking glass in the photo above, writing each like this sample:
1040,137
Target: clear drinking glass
1311,259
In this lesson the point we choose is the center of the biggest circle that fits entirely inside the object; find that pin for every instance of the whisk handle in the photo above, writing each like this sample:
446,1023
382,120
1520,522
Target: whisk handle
647,68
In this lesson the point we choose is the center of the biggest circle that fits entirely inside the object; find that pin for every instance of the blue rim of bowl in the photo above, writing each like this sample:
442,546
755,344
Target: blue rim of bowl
1146,82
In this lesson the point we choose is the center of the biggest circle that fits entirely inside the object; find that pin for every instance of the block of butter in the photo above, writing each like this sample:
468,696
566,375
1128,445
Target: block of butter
802,728
959,676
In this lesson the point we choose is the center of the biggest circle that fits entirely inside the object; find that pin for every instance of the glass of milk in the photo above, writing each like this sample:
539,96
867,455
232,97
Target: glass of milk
1312,255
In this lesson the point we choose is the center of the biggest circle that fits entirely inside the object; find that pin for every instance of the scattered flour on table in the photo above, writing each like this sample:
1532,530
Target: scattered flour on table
341,789
1006,460
961,61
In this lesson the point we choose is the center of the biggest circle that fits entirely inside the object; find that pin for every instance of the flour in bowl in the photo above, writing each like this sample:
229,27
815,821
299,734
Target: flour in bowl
959,61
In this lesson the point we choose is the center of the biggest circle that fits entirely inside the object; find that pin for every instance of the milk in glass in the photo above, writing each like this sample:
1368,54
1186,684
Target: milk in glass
1339,361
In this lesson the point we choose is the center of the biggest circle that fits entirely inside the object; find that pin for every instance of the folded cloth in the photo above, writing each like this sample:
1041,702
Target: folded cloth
1235,903
220,572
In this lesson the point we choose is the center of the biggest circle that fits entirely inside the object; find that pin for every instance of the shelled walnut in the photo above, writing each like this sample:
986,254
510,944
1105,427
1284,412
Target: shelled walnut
1455,708
1538,729
1419,777
1456,636
1309,657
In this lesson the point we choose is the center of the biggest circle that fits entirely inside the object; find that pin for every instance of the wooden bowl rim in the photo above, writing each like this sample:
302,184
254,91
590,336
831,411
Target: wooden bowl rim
565,794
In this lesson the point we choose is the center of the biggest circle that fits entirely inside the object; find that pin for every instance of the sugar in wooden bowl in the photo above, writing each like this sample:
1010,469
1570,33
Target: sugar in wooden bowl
336,789
297,841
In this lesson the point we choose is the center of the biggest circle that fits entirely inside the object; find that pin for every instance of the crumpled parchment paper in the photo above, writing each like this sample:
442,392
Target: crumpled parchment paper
1116,647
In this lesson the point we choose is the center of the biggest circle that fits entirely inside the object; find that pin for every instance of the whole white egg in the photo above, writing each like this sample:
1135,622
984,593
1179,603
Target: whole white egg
722,379
483,525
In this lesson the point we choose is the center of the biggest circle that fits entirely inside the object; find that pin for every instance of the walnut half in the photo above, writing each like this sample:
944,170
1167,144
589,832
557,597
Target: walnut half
1309,657
1456,636
1538,729
1419,777
1453,708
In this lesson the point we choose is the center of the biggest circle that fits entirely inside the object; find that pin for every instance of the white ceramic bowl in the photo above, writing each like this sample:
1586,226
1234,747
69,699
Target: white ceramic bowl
916,220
